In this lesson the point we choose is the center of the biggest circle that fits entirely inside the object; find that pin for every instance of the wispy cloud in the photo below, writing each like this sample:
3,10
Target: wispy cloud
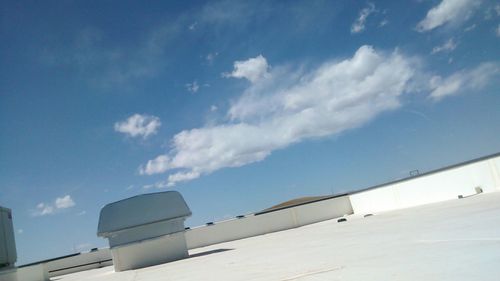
105,66
470,27
492,12
463,81
192,87
43,209
96,57
139,125
193,26
211,57
447,47
160,184
447,12
64,202
228,12
83,247
359,24
289,107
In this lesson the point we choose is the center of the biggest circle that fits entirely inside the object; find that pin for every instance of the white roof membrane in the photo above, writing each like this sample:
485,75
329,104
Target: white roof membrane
452,240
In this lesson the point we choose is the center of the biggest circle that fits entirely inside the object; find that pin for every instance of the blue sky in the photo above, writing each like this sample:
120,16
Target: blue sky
237,105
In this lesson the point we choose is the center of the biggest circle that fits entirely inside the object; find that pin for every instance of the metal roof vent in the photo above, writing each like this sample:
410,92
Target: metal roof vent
145,230
8,255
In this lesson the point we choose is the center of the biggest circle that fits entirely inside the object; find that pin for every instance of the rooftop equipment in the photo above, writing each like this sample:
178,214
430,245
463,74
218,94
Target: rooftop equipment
145,230
8,255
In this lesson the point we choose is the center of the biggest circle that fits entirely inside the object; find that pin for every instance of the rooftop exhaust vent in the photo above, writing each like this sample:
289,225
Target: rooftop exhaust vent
8,254
145,230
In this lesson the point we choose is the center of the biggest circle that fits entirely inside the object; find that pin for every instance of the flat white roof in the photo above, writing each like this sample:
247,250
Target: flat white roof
453,240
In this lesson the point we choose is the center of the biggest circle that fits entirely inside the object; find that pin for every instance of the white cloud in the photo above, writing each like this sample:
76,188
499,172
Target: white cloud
156,166
230,12
160,184
43,209
139,125
64,202
211,57
470,27
448,11
359,24
193,87
491,12
193,26
213,108
252,69
463,81
383,23
82,247
289,107
182,176
448,46
20,231
81,213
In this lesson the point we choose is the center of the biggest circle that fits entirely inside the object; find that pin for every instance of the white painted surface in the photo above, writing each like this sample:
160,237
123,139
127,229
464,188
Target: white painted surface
149,252
456,240
253,225
435,187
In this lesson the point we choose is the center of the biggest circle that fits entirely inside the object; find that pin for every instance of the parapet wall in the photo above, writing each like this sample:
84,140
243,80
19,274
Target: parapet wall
436,186
257,224
78,262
